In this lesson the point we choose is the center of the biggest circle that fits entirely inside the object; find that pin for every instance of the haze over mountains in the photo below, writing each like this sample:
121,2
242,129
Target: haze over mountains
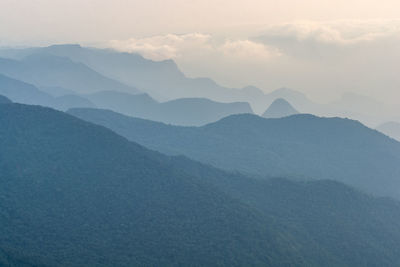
300,147
196,111
22,92
183,111
86,196
47,70
148,167
164,81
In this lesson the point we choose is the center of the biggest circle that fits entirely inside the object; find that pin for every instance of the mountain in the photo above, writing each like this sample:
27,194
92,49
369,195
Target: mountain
391,129
44,70
299,146
280,108
184,111
163,80
25,93
4,100
85,196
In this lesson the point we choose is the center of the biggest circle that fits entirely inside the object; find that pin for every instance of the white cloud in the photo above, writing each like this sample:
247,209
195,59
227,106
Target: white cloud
248,50
323,59
344,32
194,45
169,46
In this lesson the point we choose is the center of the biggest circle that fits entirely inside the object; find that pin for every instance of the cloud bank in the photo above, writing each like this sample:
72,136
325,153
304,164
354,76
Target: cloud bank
323,59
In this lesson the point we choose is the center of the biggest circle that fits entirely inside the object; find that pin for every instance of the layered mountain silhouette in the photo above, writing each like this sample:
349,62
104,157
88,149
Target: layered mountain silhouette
45,70
184,111
163,80
299,146
280,108
25,93
391,129
194,111
73,193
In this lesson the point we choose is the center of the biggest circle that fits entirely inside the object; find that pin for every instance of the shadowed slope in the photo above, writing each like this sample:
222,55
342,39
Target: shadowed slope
300,146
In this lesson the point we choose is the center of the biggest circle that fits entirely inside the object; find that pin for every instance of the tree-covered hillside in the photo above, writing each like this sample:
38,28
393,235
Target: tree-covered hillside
76,194
299,147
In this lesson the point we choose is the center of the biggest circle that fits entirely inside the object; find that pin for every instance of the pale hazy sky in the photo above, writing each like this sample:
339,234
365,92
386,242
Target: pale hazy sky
323,48
99,20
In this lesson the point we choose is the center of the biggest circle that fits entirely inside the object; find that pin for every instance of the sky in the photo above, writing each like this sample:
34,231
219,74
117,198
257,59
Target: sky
322,48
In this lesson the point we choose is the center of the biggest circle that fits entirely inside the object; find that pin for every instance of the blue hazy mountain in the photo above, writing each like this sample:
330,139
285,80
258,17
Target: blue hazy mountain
299,146
86,196
280,108
163,80
391,129
44,70
184,111
4,100
25,93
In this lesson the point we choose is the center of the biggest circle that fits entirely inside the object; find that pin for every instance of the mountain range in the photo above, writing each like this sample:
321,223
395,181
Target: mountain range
195,111
163,80
26,93
183,111
45,70
74,194
299,147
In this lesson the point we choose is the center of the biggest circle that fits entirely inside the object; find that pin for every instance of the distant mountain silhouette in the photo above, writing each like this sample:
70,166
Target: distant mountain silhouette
44,70
4,100
185,111
299,146
163,80
280,108
86,196
391,129
25,93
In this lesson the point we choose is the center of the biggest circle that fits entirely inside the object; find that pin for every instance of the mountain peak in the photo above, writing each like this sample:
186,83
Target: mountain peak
280,108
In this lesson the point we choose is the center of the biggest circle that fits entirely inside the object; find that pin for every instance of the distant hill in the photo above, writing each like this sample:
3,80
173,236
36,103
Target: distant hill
4,100
44,70
299,146
185,111
391,129
280,108
163,80
86,196
25,93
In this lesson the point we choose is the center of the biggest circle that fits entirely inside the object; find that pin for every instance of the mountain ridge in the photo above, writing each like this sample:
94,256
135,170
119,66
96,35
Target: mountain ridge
294,147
